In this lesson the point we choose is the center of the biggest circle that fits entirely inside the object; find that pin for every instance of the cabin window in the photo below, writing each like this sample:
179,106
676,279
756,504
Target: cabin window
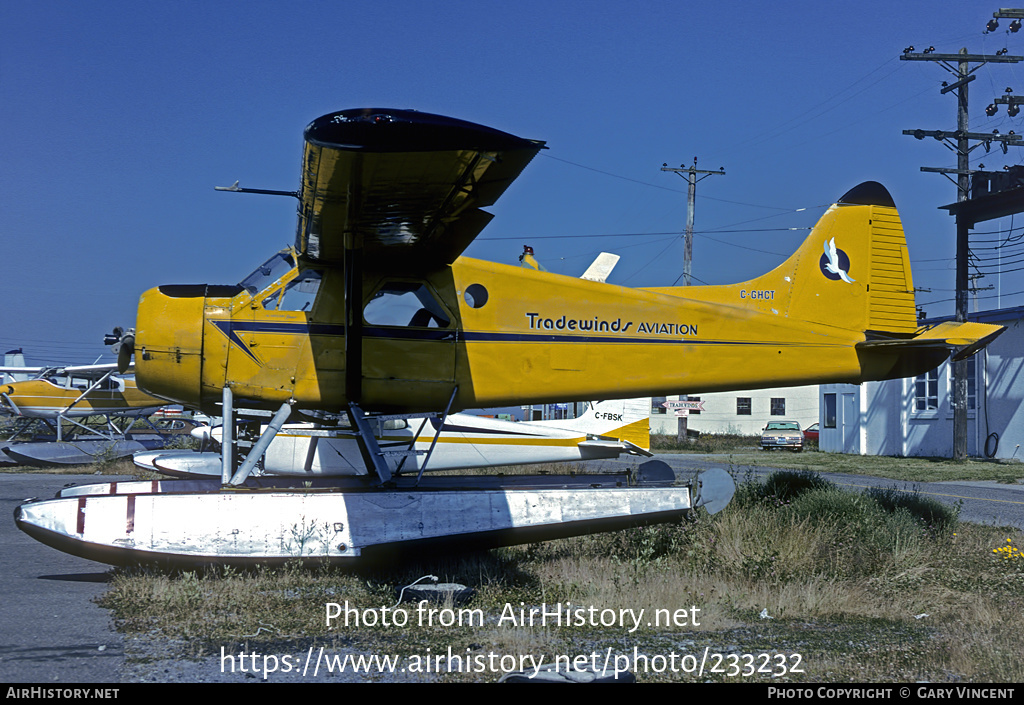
476,295
110,384
743,406
407,304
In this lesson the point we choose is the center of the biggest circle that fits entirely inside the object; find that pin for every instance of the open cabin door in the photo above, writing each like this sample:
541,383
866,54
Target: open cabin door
409,339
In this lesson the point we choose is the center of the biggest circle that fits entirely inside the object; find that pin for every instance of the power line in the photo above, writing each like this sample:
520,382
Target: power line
664,188
652,234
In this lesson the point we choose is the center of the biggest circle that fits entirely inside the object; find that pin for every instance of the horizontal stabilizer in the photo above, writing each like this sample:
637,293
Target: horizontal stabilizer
964,338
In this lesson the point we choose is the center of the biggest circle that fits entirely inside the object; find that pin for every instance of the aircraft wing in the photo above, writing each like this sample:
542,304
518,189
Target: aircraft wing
22,370
408,186
91,371
79,371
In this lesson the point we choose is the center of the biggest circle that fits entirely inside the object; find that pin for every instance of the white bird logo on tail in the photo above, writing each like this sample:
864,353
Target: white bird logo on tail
832,265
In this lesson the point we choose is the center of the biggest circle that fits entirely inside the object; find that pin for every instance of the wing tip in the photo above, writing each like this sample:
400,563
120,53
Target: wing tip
399,130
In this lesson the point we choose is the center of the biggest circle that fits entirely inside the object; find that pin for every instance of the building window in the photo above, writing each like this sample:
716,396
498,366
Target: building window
743,406
830,410
926,391
694,411
656,405
778,406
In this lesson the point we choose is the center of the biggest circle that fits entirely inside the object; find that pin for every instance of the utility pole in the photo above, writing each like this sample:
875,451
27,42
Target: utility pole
960,142
691,195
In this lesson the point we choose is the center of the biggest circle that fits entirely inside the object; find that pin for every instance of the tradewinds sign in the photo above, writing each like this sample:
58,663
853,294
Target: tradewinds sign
689,405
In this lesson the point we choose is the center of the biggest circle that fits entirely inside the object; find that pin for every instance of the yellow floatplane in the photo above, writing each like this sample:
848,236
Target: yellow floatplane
65,398
375,313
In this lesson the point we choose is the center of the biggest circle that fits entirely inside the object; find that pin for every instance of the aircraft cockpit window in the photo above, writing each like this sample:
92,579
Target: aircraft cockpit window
300,292
268,272
407,304
297,295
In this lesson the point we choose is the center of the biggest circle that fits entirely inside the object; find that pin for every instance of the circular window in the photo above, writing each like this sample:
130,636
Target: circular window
476,295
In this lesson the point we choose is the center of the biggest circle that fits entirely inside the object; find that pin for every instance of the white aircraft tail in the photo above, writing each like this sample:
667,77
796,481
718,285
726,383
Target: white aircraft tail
601,267
619,419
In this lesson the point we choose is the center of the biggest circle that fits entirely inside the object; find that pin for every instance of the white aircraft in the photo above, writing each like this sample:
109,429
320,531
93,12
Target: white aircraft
606,429
63,398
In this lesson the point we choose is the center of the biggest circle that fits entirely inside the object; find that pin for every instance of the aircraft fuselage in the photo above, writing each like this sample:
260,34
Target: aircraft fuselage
511,335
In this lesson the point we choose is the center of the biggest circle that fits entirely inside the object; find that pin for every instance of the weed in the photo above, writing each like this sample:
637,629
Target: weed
1009,552
937,519
784,486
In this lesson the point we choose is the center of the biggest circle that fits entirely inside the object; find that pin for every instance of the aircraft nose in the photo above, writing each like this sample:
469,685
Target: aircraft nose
169,342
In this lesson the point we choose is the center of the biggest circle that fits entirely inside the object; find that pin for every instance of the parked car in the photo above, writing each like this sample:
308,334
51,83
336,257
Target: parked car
782,434
811,433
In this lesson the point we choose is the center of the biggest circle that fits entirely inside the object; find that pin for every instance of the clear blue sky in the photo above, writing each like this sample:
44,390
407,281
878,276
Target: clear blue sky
119,118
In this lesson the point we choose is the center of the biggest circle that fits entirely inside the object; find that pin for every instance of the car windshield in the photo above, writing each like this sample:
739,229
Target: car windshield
783,426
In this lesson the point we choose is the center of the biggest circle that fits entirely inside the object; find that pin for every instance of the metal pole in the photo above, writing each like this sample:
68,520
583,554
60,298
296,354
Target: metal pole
227,439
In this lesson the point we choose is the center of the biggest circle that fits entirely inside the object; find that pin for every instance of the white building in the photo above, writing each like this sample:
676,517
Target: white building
743,413
914,417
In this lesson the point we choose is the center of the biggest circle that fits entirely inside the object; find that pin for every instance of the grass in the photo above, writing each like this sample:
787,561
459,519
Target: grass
742,451
117,466
705,443
894,468
847,586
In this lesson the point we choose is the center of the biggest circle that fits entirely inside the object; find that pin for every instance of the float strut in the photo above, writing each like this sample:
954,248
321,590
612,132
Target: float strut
263,443
368,446
437,435
227,445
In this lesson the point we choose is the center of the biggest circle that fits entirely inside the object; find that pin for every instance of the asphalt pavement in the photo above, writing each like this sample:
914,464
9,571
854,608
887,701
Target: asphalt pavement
981,502
52,631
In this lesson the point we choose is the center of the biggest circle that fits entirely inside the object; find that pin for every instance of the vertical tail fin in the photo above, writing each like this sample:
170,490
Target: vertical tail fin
621,419
852,271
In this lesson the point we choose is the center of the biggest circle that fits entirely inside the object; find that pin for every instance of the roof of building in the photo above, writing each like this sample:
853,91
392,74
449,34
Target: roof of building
994,315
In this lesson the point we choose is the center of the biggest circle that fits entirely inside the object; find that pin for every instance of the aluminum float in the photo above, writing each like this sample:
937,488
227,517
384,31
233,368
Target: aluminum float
185,526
